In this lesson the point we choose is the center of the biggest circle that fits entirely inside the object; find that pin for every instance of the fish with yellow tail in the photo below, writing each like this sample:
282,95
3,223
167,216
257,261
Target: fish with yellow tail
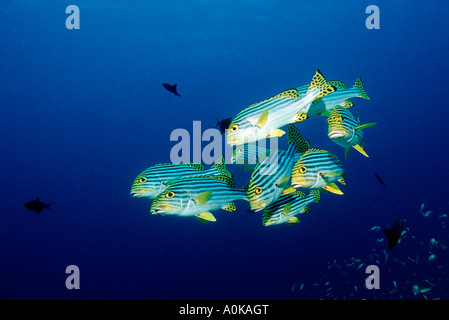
153,180
288,206
318,169
197,196
341,96
346,131
272,175
264,119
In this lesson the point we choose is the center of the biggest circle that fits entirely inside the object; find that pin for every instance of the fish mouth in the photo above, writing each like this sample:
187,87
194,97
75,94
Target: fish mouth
335,134
298,185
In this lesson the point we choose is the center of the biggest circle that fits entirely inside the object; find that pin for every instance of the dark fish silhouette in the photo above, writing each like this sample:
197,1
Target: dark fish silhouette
380,179
37,205
393,235
223,124
171,88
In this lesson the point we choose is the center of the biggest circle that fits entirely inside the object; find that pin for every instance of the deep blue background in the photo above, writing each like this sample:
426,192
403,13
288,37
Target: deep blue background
82,112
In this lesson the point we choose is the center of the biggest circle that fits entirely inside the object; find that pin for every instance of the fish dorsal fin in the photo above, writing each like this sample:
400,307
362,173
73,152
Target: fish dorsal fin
230,207
295,136
194,165
262,119
220,165
298,193
360,149
203,198
317,194
332,187
358,84
225,179
337,83
320,83
290,93
207,216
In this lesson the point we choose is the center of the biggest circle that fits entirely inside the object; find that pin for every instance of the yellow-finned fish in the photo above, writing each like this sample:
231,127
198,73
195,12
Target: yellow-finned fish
264,119
318,169
271,175
323,106
153,180
346,131
197,196
285,209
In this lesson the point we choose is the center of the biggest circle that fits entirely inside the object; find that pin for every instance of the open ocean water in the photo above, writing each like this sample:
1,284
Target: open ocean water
83,112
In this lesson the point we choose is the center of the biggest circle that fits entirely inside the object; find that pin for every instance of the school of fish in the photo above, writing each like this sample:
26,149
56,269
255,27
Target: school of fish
283,183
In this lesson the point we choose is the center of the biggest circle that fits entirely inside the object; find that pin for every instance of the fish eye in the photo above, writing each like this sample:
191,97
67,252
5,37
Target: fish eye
234,128
258,190
302,169
142,180
169,194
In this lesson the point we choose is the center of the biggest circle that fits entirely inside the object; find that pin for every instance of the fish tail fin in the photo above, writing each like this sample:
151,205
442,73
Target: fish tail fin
319,83
48,206
295,136
220,165
358,84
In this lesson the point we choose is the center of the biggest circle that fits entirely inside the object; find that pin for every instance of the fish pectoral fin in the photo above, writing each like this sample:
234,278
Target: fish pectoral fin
366,125
332,187
276,133
262,119
288,189
207,216
342,179
360,149
287,208
202,198
292,220
283,183
230,207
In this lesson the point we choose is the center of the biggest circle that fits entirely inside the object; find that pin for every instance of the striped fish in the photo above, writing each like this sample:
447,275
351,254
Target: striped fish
264,119
152,181
249,155
197,196
271,176
318,169
285,209
340,97
346,131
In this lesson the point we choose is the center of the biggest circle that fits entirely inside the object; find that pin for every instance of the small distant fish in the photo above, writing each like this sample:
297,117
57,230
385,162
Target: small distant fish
415,289
425,290
171,88
375,228
223,124
293,287
302,286
37,205
443,215
360,265
431,257
380,179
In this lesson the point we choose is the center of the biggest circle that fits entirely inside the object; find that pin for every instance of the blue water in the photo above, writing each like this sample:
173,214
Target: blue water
82,112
